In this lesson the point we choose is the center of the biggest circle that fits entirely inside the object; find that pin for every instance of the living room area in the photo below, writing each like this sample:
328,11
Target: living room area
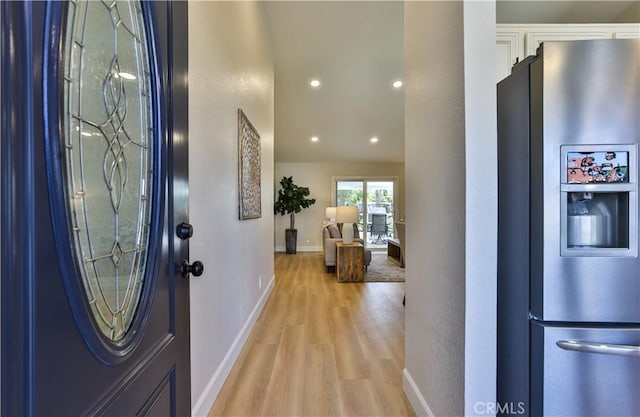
320,178
334,119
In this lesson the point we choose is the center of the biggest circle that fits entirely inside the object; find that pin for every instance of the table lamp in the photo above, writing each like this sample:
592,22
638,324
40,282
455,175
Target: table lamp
347,215
330,214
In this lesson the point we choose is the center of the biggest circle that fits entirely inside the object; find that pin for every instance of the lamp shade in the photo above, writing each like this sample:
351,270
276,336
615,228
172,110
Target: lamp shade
330,213
347,214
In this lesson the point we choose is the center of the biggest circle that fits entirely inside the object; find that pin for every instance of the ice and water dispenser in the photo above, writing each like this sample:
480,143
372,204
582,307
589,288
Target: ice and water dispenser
599,201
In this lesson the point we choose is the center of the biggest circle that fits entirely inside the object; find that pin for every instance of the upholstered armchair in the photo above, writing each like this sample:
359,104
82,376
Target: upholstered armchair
332,234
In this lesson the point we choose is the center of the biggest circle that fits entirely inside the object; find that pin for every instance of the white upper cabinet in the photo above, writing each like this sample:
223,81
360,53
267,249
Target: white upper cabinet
509,48
516,42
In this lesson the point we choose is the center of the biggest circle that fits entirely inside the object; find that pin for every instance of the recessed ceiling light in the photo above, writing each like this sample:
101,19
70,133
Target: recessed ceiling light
314,139
315,83
373,140
397,84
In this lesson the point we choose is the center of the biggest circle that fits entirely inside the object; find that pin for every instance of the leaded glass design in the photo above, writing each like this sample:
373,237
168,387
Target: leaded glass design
108,151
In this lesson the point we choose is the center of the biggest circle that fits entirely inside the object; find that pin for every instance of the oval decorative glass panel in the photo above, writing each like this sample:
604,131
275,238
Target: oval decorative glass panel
108,155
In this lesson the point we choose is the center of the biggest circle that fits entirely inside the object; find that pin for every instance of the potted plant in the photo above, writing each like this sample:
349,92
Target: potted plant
291,200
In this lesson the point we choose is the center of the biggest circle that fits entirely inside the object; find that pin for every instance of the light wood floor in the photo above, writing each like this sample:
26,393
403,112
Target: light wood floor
321,348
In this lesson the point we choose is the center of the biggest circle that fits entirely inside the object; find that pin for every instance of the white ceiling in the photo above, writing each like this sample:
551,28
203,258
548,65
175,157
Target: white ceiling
355,48
356,51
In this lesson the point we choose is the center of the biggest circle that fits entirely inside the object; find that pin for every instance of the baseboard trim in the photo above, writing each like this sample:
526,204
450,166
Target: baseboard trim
414,396
301,249
210,393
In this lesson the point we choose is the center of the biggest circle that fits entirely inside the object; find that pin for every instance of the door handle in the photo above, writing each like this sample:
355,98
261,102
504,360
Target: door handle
602,348
196,269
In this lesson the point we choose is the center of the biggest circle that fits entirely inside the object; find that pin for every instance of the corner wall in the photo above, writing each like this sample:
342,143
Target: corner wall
435,212
230,67
629,15
481,147
450,126
317,176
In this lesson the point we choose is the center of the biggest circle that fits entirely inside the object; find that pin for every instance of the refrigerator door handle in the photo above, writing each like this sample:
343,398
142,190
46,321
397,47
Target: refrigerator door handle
602,348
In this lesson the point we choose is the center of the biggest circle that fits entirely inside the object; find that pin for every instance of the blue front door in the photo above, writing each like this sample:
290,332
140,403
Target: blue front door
94,214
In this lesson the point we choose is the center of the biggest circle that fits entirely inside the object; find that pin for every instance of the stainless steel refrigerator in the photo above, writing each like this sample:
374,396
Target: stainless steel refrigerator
569,272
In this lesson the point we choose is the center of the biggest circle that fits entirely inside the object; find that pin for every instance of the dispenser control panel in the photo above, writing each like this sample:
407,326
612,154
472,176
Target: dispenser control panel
599,200
597,167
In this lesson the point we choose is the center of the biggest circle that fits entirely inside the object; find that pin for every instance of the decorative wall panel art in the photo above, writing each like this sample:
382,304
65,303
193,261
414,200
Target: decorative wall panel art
249,168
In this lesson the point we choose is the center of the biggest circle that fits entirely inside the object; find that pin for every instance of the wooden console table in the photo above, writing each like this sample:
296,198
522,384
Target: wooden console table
394,252
349,262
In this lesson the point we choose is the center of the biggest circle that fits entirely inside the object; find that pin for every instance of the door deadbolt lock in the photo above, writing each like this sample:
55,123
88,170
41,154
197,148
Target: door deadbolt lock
196,269
184,230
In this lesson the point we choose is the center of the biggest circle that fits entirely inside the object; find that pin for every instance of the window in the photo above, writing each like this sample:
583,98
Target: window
374,198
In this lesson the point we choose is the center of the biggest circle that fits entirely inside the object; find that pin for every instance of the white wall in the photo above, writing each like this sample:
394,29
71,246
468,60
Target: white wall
450,126
435,210
481,207
230,66
317,176
630,15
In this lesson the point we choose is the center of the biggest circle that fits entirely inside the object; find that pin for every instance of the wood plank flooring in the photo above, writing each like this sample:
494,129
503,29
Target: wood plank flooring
321,348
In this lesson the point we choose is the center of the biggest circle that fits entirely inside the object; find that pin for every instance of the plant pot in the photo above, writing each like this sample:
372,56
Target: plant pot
291,240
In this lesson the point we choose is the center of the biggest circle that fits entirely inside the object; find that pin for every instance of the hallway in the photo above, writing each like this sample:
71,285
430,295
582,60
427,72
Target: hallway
320,349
